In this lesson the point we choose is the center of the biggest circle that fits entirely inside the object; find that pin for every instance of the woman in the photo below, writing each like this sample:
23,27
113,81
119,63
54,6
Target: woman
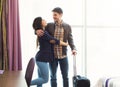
45,53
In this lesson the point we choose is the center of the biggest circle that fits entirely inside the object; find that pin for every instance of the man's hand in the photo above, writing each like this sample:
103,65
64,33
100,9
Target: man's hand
39,32
74,52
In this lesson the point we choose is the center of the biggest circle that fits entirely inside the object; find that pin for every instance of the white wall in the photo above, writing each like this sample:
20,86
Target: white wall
28,38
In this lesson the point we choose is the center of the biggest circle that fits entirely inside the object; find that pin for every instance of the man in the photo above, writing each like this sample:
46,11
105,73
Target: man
61,31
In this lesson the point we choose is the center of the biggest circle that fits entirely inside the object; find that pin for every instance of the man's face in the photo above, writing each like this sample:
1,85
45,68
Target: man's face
56,16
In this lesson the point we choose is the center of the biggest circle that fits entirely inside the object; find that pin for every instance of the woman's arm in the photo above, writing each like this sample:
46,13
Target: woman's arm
63,43
60,43
49,38
53,40
39,32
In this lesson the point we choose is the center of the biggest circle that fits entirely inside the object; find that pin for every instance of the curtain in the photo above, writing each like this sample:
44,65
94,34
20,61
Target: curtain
10,44
3,36
0,34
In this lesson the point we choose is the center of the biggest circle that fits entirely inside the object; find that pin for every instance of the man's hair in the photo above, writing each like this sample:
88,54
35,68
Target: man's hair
58,10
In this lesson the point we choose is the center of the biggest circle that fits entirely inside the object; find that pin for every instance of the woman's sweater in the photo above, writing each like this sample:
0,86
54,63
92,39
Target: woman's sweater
46,53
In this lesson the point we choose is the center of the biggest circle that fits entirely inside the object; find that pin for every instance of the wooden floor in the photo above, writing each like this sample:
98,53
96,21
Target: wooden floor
12,79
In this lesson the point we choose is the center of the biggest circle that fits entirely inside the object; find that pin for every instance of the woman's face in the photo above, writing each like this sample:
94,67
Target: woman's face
44,23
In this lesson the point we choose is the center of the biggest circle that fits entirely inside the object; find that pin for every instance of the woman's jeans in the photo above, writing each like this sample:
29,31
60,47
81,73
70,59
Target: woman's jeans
64,71
43,74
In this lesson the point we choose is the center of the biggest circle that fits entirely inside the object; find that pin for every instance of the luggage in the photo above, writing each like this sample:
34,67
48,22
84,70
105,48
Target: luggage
79,81
109,82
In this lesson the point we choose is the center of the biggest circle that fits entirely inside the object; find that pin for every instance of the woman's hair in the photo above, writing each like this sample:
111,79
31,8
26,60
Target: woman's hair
37,42
37,23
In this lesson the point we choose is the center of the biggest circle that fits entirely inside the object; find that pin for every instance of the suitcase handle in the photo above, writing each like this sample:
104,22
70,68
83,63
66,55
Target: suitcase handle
74,66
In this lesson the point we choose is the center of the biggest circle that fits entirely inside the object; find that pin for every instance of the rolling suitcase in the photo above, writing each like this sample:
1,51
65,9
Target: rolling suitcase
79,81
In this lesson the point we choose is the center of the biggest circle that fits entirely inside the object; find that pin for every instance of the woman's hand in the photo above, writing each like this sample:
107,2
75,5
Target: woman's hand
52,41
39,32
